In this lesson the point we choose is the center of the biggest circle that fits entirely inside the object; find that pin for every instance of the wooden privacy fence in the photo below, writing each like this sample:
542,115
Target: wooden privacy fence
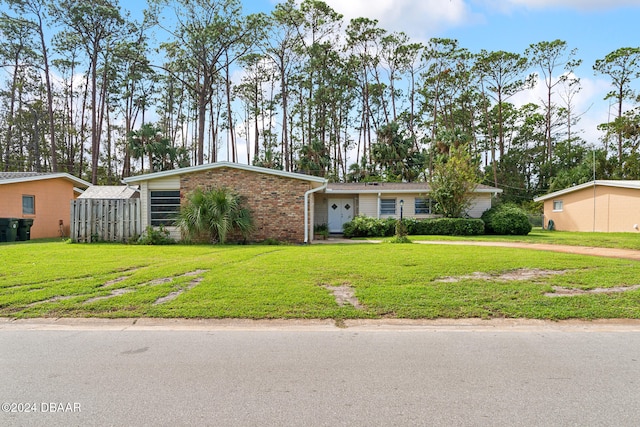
105,220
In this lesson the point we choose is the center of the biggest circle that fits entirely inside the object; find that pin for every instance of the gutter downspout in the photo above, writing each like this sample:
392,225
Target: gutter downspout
306,209
594,205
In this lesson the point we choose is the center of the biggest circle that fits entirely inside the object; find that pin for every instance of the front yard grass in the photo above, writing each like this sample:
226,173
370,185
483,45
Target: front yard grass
55,279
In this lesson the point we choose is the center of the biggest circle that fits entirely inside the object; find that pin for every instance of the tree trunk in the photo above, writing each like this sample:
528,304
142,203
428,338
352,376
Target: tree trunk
52,124
256,141
202,114
12,107
232,139
285,130
95,144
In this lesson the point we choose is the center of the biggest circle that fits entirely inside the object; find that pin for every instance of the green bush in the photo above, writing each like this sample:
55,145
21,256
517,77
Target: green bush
272,242
155,236
452,227
506,219
467,227
401,229
362,226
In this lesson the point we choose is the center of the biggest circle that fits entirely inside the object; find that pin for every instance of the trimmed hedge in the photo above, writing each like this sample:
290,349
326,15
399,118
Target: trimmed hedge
363,226
447,227
506,219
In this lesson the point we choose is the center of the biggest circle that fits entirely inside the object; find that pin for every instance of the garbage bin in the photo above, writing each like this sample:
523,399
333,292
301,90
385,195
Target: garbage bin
8,229
24,229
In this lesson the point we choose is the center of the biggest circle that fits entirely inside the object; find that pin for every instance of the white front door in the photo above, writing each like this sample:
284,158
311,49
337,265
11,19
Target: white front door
340,211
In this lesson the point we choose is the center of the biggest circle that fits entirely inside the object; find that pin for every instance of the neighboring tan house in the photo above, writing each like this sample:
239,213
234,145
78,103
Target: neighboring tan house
339,203
43,197
287,205
605,206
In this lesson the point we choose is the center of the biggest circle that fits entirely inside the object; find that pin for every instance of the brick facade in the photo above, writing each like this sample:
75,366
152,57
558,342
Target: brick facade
276,202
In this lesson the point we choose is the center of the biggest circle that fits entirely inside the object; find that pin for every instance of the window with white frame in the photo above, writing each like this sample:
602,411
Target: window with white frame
28,205
387,206
557,206
423,206
164,207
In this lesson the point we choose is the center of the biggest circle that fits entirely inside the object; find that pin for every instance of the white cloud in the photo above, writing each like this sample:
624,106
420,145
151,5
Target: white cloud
421,20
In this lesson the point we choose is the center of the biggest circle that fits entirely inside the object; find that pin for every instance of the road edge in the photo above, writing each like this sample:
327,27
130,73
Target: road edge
318,325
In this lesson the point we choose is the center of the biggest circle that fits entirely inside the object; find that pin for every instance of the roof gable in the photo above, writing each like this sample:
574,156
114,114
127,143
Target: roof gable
602,183
109,192
219,165
17,177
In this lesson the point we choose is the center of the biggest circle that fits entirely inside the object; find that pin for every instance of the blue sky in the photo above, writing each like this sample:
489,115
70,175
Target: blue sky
594,27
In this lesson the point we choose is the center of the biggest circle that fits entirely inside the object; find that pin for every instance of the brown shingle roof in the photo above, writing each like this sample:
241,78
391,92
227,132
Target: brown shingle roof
395,187
17,175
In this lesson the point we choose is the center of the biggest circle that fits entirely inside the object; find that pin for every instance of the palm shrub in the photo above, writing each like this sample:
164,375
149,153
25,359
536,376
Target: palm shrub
213,214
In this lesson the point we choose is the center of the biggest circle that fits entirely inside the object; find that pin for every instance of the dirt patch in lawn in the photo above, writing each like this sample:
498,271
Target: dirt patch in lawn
119,279
114,293
163,280
114,281
160,281
559,291
176,294
154,282
344,295
54,299
519,274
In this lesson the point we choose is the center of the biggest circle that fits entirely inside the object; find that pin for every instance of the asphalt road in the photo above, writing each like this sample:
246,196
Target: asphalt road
320,375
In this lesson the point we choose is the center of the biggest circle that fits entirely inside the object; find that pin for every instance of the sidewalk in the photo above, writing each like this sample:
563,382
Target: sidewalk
319,325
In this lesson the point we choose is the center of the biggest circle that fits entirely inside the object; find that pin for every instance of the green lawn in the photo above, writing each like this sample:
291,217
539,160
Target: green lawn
55,279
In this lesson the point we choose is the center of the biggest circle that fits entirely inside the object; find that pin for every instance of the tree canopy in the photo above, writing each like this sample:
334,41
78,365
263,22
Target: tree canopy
298,89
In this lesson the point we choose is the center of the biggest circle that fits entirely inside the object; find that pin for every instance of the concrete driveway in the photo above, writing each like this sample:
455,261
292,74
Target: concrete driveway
582,250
